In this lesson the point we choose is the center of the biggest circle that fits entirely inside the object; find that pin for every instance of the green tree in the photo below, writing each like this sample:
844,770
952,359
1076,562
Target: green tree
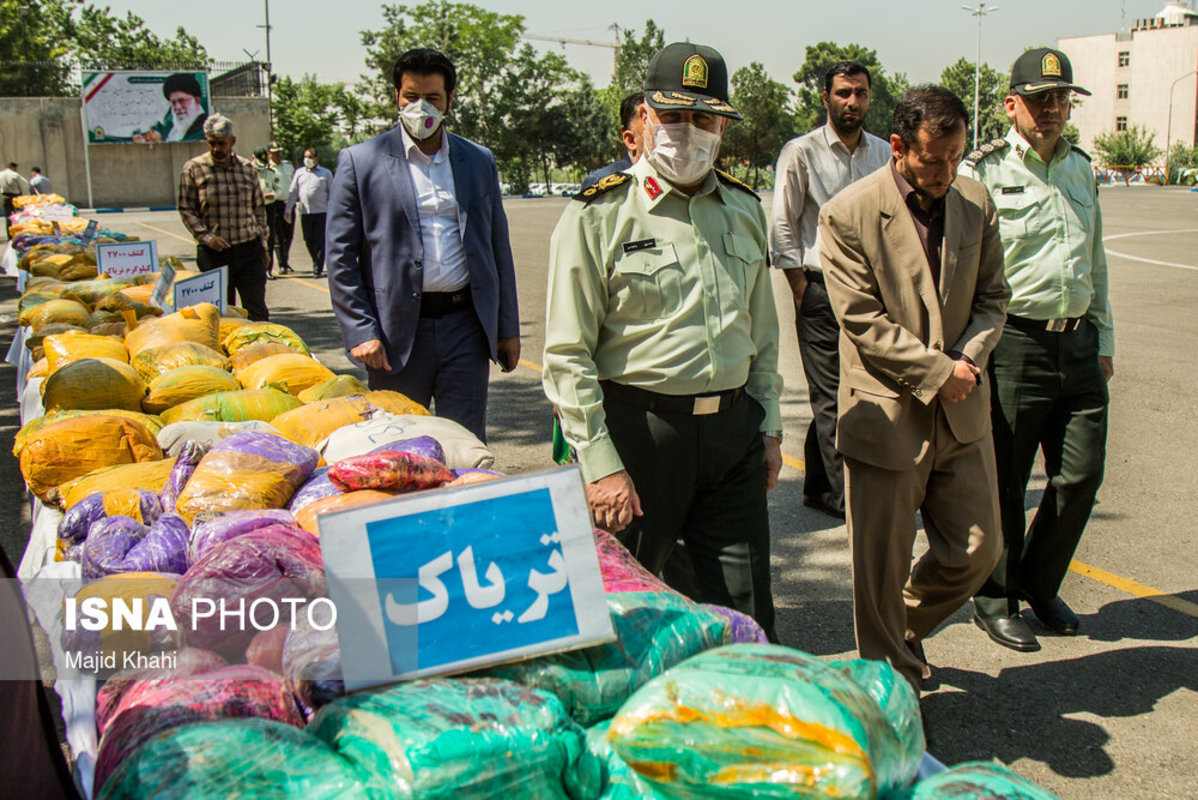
99,38
1134,147
768,121
993,121
34,48
809,107
306,115
591,130
635,55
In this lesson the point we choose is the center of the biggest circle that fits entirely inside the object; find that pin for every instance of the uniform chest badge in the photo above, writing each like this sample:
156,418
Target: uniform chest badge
651,187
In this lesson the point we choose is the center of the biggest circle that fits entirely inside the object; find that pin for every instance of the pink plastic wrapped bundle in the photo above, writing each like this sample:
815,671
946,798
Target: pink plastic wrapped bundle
211,531
389,470
275,562
185,465
188,661
153,706
312,664
266,649
247,471
621,571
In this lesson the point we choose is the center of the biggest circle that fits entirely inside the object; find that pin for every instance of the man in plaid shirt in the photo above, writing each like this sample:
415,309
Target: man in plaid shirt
221,203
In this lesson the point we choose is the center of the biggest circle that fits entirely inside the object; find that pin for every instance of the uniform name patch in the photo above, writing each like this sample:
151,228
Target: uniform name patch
643,244
1012,190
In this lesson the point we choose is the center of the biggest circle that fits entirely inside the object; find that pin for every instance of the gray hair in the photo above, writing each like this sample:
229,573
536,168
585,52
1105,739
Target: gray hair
218,126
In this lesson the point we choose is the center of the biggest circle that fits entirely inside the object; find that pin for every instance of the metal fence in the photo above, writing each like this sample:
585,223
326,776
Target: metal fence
64,78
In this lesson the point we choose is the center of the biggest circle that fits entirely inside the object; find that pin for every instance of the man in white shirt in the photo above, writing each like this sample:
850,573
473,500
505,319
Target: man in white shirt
12,186
811,170
420,265
310,191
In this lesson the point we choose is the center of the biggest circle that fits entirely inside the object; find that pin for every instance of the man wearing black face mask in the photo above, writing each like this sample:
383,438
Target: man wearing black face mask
420,266
661,344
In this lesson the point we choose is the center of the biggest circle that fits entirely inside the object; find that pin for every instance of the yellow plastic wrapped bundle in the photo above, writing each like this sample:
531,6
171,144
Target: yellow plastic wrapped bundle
94,383
24,200
259,350
59,312
146,310
98,318
230,324
50,264
338,386
116,302
310,424
247,335
63,451
306,517
51,285
291,372
29,302
152,423
78,271
65,348
148,475
127,587
151,362
116,329
34,341
239,406
186,383
199,324
91,292
40,369
141,293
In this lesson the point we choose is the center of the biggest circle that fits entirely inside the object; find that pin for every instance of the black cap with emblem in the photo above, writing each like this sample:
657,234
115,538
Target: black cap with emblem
1042,69
688,77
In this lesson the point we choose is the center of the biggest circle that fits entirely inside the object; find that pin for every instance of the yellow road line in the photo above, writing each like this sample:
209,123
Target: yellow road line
187,239
1134,588
310,284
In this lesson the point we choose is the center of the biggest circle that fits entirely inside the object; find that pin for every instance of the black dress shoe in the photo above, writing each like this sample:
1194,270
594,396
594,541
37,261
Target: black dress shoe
1012,632
287,270
270,276
820,503
1056,615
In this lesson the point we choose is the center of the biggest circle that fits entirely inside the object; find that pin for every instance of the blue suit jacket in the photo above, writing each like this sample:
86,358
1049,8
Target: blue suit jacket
374,250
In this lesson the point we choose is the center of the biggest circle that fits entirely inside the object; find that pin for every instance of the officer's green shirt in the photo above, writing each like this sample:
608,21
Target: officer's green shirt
268,179
654,289
1051,228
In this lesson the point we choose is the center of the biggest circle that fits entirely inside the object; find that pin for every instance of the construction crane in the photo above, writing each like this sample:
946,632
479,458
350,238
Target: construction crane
587,42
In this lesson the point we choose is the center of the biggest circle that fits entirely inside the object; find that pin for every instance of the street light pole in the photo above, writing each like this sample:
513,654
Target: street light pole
270,105
1169,126
978,12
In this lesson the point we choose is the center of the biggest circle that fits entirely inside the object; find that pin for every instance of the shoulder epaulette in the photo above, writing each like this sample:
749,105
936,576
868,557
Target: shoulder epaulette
1083,153
988,149
733,181
604,184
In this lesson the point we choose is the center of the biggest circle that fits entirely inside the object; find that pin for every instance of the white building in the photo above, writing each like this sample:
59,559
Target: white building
1134,74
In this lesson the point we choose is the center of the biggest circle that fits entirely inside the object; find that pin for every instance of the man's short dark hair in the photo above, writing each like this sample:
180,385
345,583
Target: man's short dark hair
12,165
933,107
425,61
181,82
35,169
629,108
847,69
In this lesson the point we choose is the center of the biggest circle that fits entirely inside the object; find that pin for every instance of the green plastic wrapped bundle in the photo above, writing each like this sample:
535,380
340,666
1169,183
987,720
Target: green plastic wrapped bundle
654,630
338,386
242,758
757,721
900,704
461,739
239,406
620,781
976,780
255,332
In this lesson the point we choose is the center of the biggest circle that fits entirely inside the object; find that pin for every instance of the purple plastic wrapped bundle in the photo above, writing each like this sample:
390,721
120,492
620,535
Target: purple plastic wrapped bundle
621,571
108,542
79,518
425,446
275,562
318,487
742,629
153,706
457,473
266,649
164,548
212,531
185,464
188,661
312,665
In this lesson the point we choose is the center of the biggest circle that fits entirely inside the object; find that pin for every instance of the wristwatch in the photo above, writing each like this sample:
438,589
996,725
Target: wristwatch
773,435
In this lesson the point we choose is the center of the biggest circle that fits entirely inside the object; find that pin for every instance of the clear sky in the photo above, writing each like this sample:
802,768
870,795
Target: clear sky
919,38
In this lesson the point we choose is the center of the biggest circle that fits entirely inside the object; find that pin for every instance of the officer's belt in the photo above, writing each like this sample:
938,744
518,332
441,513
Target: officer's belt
693,404
1062,325
438,304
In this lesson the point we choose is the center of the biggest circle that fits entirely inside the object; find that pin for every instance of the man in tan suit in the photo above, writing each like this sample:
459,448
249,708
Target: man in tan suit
914,270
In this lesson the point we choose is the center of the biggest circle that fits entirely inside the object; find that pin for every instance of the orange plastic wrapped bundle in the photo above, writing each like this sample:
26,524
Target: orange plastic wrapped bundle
199,324
63,451
65,348
239,406
60,311
29,302
338,386
230,324
126,586
140,293
40,369
91,292
148,475
186,383
30,429
94,383
256,351
150,362
291,372
247,335
306,517
310,424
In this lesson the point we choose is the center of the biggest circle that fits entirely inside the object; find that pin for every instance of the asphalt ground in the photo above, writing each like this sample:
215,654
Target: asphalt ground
1105,714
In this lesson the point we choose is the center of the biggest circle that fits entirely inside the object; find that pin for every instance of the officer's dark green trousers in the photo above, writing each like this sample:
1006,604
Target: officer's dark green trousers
1048,393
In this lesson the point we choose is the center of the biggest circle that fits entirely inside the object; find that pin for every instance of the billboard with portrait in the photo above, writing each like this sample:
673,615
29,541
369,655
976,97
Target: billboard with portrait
145,107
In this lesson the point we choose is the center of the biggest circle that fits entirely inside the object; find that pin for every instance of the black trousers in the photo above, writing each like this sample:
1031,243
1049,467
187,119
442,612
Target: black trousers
701,480
279,232
9,208
313,228
819,347
1050,394
247,274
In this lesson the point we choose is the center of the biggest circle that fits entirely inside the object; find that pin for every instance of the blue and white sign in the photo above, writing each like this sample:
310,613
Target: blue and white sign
456,579
207,287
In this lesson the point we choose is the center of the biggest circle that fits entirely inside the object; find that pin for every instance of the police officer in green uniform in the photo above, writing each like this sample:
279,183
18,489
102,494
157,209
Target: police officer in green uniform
661,344
1049,371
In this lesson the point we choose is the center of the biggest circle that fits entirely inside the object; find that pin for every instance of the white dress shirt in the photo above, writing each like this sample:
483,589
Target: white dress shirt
310,190
811,170
436,201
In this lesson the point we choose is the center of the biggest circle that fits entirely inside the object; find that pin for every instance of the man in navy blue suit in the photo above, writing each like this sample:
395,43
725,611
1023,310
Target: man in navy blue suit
630,133
419,261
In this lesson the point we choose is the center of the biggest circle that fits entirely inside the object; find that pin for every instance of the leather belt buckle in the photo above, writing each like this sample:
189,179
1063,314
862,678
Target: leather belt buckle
1056,325
706,405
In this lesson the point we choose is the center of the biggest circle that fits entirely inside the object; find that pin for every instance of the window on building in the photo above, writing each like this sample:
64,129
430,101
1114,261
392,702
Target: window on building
1124,58
1121,91
1120,123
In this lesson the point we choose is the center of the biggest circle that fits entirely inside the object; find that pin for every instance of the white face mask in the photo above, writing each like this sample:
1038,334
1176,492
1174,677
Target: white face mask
310,163
420,119
682,153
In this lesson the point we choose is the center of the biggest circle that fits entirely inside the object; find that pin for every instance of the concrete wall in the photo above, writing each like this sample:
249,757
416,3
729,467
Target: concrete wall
48,132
